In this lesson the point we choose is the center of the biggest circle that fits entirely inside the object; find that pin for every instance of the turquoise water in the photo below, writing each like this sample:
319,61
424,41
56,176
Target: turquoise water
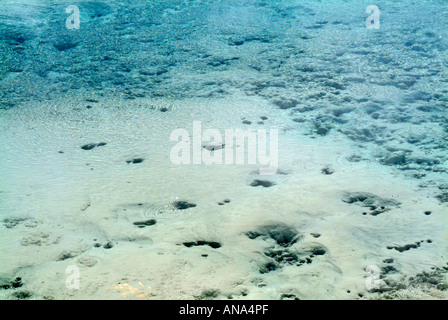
363,134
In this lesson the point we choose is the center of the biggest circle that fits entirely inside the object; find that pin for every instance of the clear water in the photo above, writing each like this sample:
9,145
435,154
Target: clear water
357,204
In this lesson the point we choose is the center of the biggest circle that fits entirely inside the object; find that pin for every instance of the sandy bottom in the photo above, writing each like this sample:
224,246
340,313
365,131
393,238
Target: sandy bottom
357,229
88,192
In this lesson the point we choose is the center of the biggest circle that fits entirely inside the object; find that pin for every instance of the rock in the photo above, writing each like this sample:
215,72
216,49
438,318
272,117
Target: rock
376,204
91,146
67,255
108,245
214,147
135,161
22,295
211,244
286,103
327,170
142,224
36,239
322,131
182,205
64,46
395,159
87,261
281,233
262,183
12,222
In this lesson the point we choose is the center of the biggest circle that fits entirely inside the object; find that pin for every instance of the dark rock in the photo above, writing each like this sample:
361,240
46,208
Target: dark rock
22,295
395,159
17,282
388,269
263,183
64,46
283,234
108,245
12,222
268,267
214,147
443,197
318,251
327,171
135,161
91,146
286,103
212,244
182,205
376,204
66,255
282,255
142,224
406,247
322,131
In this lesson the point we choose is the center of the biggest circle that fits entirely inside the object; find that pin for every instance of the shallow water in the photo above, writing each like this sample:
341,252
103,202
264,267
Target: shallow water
356,207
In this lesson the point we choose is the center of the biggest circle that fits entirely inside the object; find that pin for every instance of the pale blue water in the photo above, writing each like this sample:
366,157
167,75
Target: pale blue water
315,63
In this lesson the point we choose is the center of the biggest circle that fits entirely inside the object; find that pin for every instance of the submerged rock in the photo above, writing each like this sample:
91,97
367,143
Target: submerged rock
182,205
91,146
281,233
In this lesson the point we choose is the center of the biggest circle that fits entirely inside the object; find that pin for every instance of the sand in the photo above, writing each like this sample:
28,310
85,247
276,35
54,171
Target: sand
356,210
